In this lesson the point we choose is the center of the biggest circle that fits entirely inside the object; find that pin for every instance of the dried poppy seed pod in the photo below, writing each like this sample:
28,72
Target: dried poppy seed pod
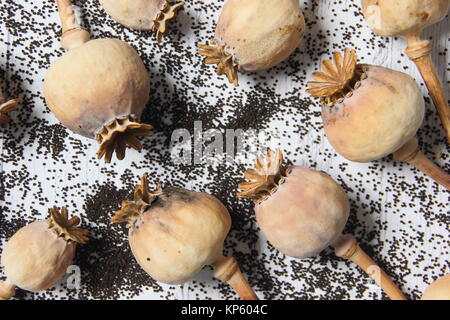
174,233
302,211
254,35
408,18
438,290
6,107
98,89
38,255
370,112
143,14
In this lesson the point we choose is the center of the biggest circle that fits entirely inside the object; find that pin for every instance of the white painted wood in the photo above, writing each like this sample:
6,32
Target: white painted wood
398,215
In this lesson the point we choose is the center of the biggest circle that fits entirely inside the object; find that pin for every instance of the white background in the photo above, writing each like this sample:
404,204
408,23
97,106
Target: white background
398,215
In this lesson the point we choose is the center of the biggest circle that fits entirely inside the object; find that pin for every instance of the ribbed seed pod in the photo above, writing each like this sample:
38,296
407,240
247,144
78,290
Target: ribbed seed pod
254,35
370,112
6,107
98,89
38,255
302,211
438,290
143,14
408,19
174,233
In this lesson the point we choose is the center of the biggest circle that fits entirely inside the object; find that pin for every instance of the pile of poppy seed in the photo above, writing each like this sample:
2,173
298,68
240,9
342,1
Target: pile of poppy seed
184,90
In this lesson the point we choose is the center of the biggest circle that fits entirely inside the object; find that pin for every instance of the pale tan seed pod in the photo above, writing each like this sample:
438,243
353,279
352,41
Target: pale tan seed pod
403,17
6,107
370,112
408,18
438,290
302,211
174,233
98,89
38,255
143,14
254,35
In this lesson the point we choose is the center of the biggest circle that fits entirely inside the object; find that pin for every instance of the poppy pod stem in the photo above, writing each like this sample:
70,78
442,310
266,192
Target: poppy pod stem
410,153
151,15
72,34
347,247
419,51
227,270
7,290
